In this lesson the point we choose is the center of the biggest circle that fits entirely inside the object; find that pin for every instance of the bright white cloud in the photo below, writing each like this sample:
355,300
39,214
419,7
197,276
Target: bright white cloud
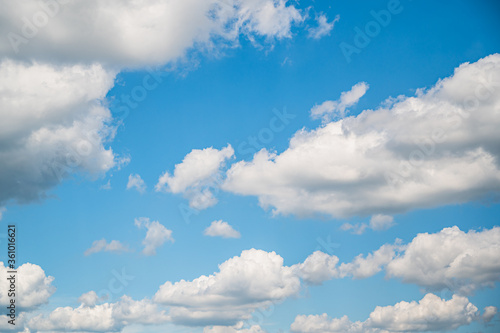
135,181
197,176
156,235
489,313
221,229
107,317
324,27
452,259
362,267
439,147
244,283
330,110
318,267
103,245
234,329
60,126
33,287
431,313
133,34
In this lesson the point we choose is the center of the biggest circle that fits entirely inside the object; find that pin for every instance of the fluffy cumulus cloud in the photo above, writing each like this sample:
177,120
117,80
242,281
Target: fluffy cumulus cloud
197,176
136,33
60,126
103,245
221,229
318,267
431,313
106,317
450,259
135,181
33,287
436,148
323,28
244,283
156,235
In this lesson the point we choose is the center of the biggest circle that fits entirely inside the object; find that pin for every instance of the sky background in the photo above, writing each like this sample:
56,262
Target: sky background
229,93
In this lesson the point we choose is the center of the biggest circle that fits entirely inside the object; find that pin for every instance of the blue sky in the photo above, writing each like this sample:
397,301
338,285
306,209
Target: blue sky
176,185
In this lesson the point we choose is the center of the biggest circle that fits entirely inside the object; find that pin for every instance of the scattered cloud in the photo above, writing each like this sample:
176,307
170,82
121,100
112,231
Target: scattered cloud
34,287
234,329
377,222
135,181
437,148
324,27
103,246
156,235
430,314
330,110
197,176
221,229
317,268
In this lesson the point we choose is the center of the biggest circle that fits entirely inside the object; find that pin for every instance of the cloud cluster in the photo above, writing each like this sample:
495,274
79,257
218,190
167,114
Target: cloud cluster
431,313
60,126
221,229
436,148
197,176
243,283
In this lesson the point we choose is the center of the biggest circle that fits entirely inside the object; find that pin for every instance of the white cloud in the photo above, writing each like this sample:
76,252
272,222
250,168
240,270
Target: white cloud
244,283
156,235
451,258
363,267
381,222
33,287
135,181
197,176
318,267
377,222
431,313
102,245
60,126
439,147
489,313
221,229
324,27
234,329
107,317
330,110
133,34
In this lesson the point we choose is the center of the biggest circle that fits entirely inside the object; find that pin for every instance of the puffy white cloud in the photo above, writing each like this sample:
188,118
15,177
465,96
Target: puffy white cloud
197,176
107,317
221,229
451,258
33,287
363,267
102,245
489,313
244,283
59,127
431,313
437,148
329,110
156,235
324,27
135,181
136,33
318,267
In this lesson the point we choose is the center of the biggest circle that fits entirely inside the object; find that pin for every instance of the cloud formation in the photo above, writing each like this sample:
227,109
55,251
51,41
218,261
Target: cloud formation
197,176
156,235
221,229
323,28
103,246
439,147
135,181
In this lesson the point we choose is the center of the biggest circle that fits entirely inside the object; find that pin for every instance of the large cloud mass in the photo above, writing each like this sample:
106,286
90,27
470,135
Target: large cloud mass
439,147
